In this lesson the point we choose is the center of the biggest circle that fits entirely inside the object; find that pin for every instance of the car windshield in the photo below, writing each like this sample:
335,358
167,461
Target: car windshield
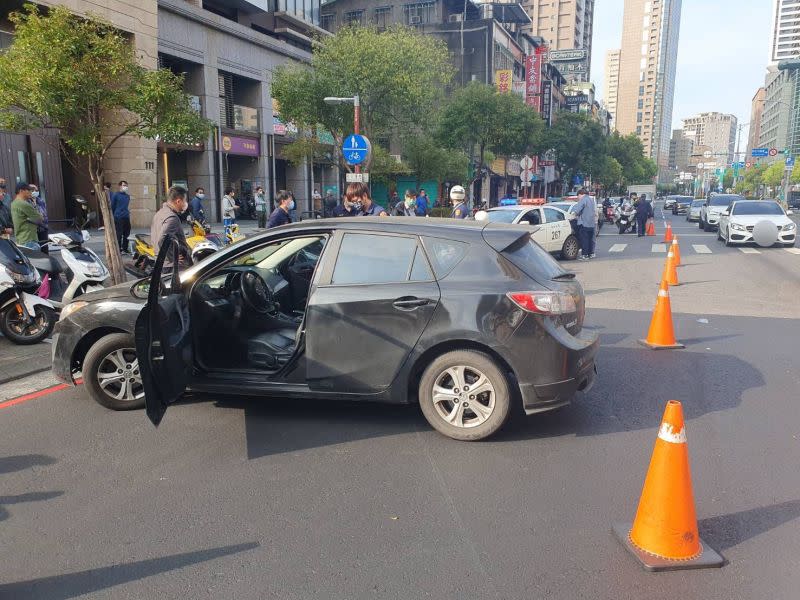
697,203
685,199
757,208
273,255
723,200
501,216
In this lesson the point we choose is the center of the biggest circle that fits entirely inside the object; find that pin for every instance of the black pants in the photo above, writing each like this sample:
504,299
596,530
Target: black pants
262,219
641,223
123,227
42,235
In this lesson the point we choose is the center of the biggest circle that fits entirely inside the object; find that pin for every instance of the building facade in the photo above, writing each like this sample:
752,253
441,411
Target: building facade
681,148
565,25
715,130
612,83
775,115
785,34
647,73
756,110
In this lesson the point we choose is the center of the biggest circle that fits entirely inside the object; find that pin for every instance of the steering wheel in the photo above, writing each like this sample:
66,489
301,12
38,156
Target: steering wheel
255,292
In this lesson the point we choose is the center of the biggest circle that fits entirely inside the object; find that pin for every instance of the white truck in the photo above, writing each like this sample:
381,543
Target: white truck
647,190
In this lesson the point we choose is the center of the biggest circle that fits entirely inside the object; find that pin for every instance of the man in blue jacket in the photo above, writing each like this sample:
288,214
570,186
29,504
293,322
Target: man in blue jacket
120,210
422,204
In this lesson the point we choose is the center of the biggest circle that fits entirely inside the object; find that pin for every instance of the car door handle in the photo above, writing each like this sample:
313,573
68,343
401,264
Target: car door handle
410,303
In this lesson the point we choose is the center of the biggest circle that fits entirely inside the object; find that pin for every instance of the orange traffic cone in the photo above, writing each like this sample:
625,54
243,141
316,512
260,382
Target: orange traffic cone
670,274
664,533
651,228
661,335
668,233
676,251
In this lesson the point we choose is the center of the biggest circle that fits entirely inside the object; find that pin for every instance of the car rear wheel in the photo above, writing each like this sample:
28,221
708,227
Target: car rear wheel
111,373
465,395
570,249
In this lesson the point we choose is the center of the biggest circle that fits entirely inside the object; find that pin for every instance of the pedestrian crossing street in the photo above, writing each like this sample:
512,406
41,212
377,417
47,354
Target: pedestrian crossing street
699,249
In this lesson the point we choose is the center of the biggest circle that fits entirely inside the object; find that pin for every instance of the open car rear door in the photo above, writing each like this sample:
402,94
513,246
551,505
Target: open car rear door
163,337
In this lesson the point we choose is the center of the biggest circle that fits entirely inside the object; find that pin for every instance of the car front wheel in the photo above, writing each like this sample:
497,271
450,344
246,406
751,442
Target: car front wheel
465,395
111,373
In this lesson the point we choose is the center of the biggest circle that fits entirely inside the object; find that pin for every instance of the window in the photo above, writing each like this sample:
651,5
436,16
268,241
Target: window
641,90
638,117
420,271
370,258
354,17
328,22
383,17
532,217
444,254
420,12
639,130
640,103
553,216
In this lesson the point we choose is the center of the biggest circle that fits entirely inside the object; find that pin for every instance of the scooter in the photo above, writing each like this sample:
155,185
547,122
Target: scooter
144,257
69,269
609,214
625,220
25,318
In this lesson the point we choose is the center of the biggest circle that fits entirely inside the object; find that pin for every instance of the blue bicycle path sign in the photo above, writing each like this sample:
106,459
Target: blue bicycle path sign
355,149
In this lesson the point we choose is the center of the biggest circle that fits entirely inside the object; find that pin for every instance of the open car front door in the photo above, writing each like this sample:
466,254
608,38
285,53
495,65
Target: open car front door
163,337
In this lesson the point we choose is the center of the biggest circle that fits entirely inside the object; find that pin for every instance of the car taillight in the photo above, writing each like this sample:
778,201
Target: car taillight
544,303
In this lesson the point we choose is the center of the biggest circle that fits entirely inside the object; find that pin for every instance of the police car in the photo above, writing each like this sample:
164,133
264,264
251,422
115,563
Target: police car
553,233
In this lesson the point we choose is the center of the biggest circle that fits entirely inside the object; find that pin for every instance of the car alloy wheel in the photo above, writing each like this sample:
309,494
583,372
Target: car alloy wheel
463,396
570,249
111,373
119,377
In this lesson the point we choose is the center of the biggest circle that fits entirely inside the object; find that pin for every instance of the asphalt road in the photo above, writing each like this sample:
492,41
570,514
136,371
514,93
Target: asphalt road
268,499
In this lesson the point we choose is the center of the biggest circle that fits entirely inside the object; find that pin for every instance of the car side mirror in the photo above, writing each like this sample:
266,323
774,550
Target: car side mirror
726,213
789,212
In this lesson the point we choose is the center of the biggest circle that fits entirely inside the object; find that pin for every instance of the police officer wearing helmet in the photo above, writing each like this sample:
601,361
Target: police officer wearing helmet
457,197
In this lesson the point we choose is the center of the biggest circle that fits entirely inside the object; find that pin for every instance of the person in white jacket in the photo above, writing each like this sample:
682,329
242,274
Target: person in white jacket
229,208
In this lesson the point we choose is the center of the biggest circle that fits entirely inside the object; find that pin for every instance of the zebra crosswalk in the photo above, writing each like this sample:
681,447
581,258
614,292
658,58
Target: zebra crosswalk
660,248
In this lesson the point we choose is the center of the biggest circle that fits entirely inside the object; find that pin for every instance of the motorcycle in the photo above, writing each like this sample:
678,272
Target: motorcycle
626,220
200,242
608,214
25,318
69,269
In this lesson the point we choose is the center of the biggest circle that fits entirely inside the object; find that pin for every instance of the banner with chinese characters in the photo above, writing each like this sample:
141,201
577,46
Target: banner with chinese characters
502,80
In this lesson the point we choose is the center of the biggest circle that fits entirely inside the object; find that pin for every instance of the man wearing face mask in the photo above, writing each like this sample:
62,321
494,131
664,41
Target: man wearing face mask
120,210
280,216
168,221
358,193
345,209
405,207
196,205
43,229
25,217
261,207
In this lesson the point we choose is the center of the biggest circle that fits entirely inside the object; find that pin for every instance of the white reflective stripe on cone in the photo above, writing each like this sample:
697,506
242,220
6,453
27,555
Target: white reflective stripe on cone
668,434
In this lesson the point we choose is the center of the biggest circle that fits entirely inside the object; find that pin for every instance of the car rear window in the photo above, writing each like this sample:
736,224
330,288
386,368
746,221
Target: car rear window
444,254
532,259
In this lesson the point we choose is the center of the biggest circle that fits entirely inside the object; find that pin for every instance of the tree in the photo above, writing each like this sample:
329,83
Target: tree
727,179
398,74
610,174
629,152
579,144
428,160
753,177
773,175
477,116
81,77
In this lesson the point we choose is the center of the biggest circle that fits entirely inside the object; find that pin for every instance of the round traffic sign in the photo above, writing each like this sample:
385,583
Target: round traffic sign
748,164
526,162
708,154
773,152
526,175
701,165
355,149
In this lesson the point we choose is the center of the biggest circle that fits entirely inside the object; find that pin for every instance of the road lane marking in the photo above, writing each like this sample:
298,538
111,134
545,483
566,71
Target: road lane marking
749,251
701,249
618,248
793,250
35,395
658,248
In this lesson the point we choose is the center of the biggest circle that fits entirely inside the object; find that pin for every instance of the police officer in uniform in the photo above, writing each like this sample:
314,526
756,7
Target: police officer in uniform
458,198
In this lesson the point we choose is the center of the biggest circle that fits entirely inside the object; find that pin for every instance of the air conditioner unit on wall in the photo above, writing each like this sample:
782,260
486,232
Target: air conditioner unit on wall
414,20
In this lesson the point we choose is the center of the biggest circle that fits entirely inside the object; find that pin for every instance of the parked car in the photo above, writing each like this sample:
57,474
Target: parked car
553,230
693,214
566,206
465,318
737,222
681,205
713,207
669,202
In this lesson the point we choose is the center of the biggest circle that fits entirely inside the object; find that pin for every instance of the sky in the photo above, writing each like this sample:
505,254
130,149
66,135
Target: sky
723,52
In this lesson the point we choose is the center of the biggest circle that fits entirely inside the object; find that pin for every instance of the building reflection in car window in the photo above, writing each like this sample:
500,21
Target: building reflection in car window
444,254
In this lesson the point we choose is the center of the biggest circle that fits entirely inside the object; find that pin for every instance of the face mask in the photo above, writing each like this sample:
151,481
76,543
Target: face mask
291,204
201,196
35,194
358,205
124,188
409,203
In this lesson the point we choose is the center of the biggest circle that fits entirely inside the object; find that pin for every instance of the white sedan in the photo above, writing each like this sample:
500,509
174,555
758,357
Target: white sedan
737,222
554,232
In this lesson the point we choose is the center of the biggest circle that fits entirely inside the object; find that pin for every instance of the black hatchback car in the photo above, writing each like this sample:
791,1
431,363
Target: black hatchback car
464,317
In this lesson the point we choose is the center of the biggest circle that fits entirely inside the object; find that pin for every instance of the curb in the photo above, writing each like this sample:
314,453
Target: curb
24,375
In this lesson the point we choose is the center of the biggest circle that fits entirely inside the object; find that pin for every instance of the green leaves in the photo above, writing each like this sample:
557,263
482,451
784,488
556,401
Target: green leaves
82,77
428,160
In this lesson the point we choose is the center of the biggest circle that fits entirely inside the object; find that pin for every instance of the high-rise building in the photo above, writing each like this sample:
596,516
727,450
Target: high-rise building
564,25
680,150
612,83
715,130
776,113
756,110
647,63
785,41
